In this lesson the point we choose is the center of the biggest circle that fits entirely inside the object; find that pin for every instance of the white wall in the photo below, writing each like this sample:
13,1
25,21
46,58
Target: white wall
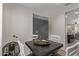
0,29
6,35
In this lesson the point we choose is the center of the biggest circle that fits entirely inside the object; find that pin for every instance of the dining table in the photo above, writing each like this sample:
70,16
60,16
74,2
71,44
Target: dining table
39,50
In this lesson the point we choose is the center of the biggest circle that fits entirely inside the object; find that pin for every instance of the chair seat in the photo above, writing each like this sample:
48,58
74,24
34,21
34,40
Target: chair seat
72,50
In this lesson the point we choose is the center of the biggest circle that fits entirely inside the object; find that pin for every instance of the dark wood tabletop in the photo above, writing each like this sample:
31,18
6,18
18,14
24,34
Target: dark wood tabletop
43,50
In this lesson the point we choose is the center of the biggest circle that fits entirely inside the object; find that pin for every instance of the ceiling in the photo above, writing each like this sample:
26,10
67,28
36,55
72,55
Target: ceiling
46,6
49,8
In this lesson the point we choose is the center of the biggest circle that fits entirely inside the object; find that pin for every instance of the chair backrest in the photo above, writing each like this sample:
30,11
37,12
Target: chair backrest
34,36
71,50
11,49
21,48
55,38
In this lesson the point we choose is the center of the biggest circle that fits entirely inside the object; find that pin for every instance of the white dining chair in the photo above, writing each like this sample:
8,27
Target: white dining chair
72,50
21,48
55,38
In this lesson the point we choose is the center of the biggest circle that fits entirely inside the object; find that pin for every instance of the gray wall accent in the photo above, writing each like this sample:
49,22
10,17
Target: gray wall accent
40,27
40,17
